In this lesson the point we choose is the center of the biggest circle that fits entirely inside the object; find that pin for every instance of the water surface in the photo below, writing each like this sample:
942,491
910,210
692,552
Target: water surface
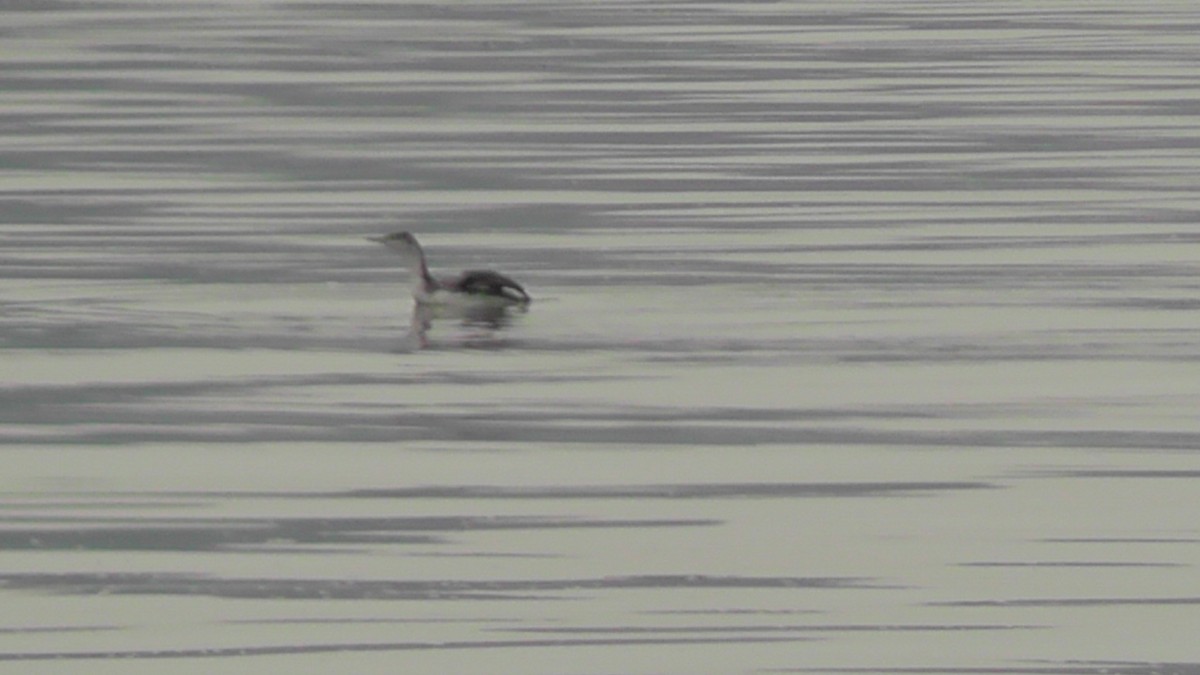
864,337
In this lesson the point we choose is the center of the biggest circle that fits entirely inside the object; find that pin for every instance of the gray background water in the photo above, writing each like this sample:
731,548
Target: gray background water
865,337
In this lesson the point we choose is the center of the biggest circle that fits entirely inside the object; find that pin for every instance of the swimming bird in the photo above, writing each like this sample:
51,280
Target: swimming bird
472,285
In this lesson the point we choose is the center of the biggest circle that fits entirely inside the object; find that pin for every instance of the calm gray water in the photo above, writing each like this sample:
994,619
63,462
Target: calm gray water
865,337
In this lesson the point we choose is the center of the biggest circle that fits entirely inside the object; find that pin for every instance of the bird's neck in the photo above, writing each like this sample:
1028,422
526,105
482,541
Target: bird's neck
420,281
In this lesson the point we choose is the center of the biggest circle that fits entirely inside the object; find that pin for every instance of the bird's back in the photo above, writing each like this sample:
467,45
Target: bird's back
488,283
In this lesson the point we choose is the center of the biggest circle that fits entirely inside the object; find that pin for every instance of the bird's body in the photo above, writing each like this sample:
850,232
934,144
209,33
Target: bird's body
472,286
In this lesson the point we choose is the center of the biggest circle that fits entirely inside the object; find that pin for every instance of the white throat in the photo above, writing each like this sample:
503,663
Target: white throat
413,259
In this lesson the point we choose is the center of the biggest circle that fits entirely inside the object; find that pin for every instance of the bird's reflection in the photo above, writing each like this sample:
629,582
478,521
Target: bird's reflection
479,325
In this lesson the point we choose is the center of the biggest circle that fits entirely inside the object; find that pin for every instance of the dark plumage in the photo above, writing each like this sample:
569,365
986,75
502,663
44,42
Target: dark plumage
487,282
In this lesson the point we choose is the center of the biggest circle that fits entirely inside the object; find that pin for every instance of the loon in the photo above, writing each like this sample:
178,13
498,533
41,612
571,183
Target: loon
483,285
